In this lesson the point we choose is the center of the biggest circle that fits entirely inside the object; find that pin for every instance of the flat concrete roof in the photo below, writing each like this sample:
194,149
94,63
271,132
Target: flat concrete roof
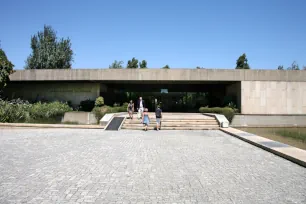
158,75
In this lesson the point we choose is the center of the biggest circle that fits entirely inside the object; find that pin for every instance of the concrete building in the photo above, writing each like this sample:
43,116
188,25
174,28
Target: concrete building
254,91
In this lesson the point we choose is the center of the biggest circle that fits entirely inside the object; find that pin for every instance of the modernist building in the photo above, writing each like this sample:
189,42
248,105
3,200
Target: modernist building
254,91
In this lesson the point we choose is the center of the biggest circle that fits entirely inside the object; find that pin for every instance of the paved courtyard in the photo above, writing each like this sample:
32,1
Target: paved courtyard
83,166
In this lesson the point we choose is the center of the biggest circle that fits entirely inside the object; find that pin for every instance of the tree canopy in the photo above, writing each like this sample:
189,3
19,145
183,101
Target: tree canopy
48,52
242,62
116,65
280,67
143,64
166,67
6,68
132,64
294,66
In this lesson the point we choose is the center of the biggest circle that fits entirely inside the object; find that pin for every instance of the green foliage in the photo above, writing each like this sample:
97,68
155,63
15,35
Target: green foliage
116,65
166,67
48,52
132,64
143,64
6,68
21,111
99,101
280,67
294,66
14,111
43,111
227,112
87,105
292,134
242,62
101,111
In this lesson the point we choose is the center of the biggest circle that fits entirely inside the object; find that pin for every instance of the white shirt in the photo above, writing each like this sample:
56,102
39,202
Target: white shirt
140,104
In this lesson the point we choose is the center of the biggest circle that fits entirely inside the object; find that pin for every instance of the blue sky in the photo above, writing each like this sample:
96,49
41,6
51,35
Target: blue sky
183,34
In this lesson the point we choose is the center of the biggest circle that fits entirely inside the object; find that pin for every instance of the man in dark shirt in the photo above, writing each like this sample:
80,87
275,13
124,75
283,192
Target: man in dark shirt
158,114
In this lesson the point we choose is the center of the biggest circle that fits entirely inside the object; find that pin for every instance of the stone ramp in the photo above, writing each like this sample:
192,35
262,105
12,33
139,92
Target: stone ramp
175,121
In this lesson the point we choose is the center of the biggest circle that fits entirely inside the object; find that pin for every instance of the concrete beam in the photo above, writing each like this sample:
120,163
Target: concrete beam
157,75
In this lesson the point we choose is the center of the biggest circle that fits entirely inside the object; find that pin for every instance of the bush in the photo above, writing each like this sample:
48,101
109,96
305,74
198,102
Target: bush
99,101
44,111
101,111
14,111
21,111
87,105
227,112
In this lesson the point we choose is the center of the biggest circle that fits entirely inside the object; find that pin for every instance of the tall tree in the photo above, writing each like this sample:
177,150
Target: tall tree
6,68
242,62
48,52
116,65
166,67
132,64
143,64
280,67
294,66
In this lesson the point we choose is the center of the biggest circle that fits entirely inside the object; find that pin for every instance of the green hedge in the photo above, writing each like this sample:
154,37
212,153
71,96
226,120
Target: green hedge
226,111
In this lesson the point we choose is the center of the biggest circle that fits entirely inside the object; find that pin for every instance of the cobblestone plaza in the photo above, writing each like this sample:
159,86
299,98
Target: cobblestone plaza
95,166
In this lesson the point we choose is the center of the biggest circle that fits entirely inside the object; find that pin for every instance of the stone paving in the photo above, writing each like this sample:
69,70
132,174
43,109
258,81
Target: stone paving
94,166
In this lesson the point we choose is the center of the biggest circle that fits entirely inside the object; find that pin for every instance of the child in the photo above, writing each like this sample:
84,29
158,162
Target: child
158,114
145,119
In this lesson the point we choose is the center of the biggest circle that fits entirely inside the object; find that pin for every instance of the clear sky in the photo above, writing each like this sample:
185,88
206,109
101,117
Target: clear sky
183,34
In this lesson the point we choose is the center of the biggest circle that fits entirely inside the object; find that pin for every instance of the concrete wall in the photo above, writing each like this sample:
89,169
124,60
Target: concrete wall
157,75
62,91
80,118
269,121
272,97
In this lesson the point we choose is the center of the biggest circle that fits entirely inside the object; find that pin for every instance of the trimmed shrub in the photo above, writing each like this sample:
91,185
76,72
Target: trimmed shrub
227,112
87,105
99,101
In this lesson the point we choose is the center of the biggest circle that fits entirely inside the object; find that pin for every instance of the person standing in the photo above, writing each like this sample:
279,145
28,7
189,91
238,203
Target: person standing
158,115
130,109
145,119
140,107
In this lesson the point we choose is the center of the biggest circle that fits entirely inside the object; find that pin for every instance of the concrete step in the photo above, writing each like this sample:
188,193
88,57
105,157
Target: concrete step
175,128
169,125
176,121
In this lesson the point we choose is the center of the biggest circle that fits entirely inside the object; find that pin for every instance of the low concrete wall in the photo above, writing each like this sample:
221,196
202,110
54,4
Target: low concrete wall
269,121
80,118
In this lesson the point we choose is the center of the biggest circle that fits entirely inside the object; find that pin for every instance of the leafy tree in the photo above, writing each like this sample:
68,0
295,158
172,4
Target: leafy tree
166,67
198,67
116,65
294,66
242,62
6,68
143,64
132,64
280,67
48,52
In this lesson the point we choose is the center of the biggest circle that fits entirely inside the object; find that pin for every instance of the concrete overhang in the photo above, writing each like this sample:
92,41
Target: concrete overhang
163,75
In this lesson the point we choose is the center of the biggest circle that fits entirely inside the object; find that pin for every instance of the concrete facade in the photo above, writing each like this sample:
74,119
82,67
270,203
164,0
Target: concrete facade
157,75
62,91
273,97
255,91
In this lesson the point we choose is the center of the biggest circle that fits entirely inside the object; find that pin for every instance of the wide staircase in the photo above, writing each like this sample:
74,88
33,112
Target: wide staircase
175,121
